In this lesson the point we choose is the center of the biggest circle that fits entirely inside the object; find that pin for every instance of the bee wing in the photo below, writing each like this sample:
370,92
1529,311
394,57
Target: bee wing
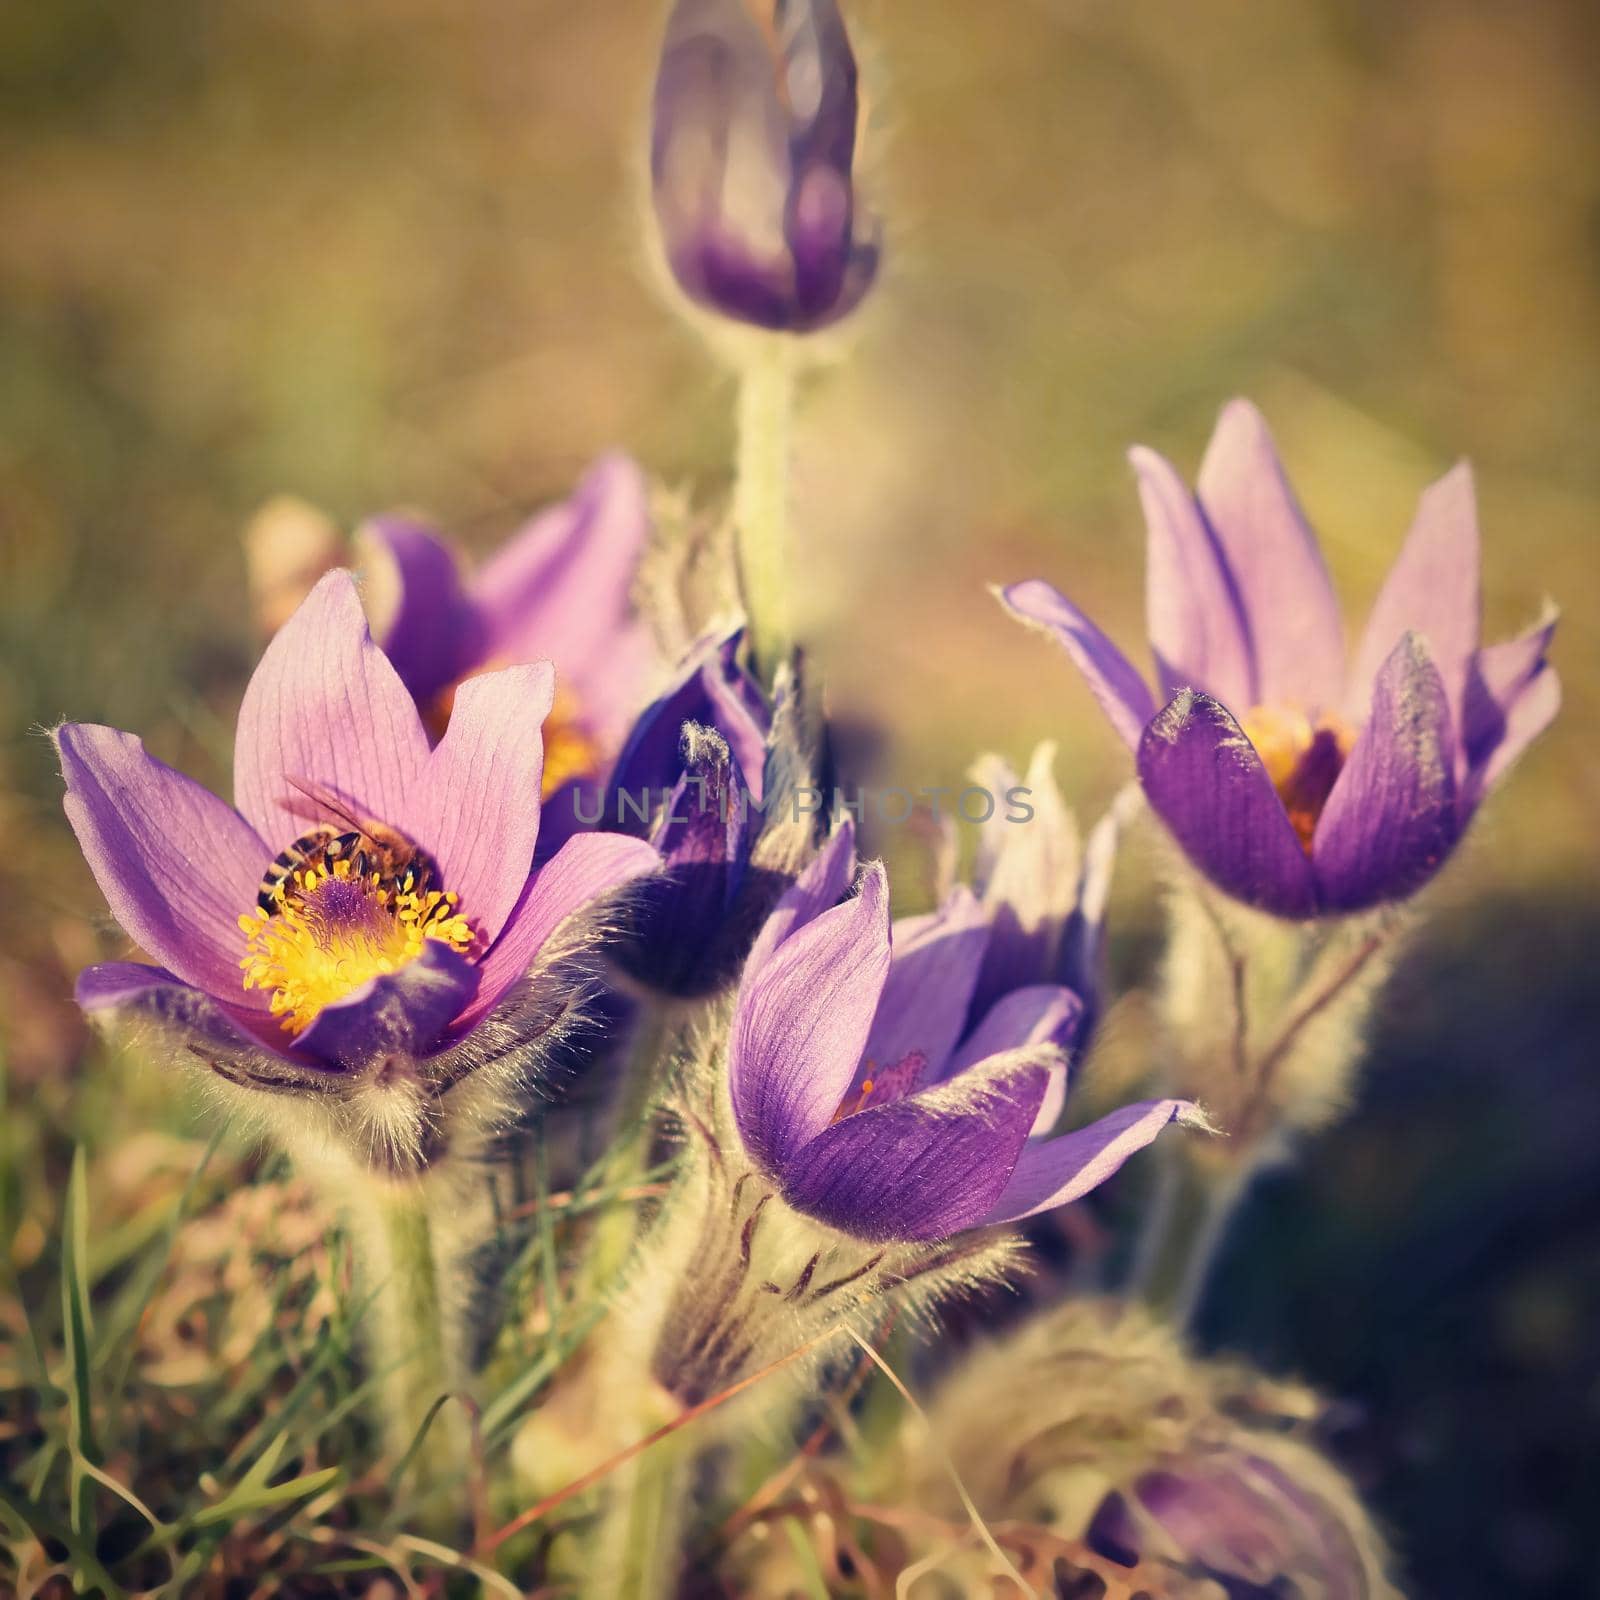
312,799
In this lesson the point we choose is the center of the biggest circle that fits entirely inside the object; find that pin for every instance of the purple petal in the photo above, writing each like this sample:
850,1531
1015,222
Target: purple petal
176,865
1391,818
1287,601
1432,590
1222,1527
1054,1172
801,1023
562,589
1026,873
711,689
926,1166
679,922
1043,1013
823,884
738,711
1196,624
431,631
1205,781
580,872
155,993
1081,965
1123,694
932,973
408,1010
478,814
324,707
1512,696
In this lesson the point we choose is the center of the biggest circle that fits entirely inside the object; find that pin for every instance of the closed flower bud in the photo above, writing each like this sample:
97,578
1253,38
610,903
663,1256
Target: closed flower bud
752,150
1202,1477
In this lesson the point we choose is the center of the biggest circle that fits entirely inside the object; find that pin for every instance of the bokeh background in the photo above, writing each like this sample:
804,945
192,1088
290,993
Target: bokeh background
388,254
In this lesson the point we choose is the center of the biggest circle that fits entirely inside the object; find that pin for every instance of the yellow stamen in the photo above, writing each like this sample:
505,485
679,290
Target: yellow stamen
1302,757
328,934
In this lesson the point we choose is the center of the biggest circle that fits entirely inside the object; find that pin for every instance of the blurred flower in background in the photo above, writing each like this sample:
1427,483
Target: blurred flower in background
752,159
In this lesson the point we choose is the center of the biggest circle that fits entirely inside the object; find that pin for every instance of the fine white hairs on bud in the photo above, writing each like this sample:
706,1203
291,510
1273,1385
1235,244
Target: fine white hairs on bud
733,1282
1092,1421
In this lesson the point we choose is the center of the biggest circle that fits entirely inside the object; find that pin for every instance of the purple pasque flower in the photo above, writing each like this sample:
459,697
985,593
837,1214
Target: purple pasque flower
1293,782
866,1097
752,149
368,895
559,590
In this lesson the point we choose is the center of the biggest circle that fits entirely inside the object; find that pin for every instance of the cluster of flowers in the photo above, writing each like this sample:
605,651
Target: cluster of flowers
387,933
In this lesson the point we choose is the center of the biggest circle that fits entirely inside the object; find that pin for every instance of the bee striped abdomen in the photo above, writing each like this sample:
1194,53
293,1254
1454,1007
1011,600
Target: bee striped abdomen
321,845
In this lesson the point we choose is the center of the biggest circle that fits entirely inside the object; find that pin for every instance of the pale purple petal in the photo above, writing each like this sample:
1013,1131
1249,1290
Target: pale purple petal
801,1023
324,707
408,1010
1432,590
822,884
1123,694
1512,696
1026,873
162,997
1391,818
581,871
1287,600
177,866
1205,781
478,812
561,589
1054,1172
1082,961
926,1166
932,974
1043,1013
1196,624
422,617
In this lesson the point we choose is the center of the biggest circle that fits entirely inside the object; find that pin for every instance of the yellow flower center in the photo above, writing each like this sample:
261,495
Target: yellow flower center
1302,757
332,923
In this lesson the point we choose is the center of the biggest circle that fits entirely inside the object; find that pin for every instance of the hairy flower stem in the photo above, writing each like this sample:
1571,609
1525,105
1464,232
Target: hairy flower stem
1189,1219
642,1532
628,1158
409,1324
761,500
1266,1020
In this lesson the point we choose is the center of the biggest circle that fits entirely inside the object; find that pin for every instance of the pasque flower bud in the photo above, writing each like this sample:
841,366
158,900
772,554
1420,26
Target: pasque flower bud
752,148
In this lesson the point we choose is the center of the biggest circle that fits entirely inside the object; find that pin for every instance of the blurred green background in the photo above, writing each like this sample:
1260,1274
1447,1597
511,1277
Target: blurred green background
384,254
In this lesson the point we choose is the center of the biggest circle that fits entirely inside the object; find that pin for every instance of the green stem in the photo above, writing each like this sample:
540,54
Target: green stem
761,501
413,1356
1193,1209
640,1541
628,1159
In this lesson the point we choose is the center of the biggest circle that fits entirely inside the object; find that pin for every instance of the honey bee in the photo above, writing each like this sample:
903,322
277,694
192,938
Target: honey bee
370,847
